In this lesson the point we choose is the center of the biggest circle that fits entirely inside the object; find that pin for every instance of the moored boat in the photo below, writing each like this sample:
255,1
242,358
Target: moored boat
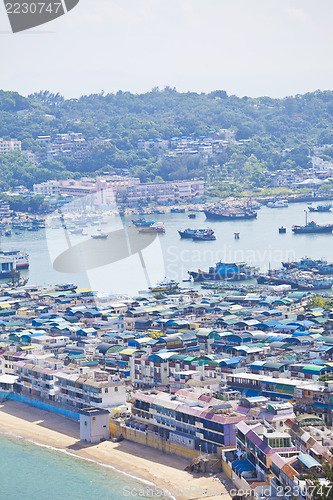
230,214
233,271
143,222
165,286
296,280
190,232
21,258
177,210
158,228
206,236
278,204
312,227
321,208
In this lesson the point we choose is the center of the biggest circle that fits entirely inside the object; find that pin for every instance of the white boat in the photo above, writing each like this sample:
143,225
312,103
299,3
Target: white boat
278,204
21,258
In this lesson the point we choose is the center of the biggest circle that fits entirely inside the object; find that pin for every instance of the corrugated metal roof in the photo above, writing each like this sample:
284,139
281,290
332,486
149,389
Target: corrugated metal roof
308,460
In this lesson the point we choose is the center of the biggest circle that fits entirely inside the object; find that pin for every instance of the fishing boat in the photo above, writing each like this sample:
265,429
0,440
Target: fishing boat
304,263
76,231
190,232
296,280
143,222
312,227
158,228
233,271
318,266
100,236
165,286
321,208
206,236
230,214
282,230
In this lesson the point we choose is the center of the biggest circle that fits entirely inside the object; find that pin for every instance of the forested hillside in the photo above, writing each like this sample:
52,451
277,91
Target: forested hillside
282,133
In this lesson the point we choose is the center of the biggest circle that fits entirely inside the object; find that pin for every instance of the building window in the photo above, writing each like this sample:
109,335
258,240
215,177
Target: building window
116,389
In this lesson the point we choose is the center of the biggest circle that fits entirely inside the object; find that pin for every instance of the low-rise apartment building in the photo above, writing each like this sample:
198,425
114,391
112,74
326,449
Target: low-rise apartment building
90,389
9,146
197,422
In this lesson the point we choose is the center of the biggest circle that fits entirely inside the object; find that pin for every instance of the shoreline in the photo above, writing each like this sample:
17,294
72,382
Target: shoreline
158,472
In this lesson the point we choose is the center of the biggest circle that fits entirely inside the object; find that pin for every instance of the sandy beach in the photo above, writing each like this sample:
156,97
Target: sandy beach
165,471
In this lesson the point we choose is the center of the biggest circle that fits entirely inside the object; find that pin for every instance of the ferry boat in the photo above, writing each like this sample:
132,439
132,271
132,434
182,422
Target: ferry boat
278,204
233,271
158,228
143,222
21,258
230,214
165,286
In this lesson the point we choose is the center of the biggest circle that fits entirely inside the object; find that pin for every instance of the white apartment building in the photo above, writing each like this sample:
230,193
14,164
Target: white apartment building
9,146
93,388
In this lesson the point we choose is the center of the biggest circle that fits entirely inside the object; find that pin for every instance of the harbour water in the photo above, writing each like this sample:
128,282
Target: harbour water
60,476
259,244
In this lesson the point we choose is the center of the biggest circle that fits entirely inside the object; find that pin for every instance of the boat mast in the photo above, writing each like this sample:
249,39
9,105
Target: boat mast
306,217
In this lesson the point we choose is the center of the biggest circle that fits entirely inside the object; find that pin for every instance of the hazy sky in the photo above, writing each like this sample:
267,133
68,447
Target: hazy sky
246,47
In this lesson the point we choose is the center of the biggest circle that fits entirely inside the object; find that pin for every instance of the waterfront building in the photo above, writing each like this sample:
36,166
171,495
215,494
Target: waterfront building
94,425
194,421
92,388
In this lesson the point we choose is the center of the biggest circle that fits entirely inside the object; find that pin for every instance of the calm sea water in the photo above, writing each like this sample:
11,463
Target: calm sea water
260,243
31,472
